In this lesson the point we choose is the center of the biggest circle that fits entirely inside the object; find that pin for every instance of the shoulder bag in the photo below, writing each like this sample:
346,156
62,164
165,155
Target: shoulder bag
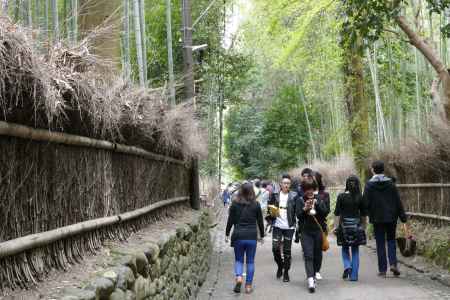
325,242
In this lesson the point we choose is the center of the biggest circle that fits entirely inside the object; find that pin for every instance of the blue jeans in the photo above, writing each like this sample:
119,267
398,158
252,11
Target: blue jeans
247,248
351,262
385,232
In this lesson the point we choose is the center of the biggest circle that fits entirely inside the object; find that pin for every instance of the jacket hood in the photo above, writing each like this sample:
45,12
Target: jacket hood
380,182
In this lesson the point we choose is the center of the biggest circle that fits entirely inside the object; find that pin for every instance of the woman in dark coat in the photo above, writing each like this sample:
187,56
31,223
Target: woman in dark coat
245,216
349,226
325,198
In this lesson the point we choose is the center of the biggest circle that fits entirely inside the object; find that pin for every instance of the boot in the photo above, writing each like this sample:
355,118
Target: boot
286,276
287,266
279,271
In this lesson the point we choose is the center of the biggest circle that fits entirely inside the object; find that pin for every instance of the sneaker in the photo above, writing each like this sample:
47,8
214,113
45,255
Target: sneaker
395,271
311,285
346,273
248,289
279,272
318,276
286,276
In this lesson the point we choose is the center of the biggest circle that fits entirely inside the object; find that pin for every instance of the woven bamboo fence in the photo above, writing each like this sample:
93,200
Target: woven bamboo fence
46,185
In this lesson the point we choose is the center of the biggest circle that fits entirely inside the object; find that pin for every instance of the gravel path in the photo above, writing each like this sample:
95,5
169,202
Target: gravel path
410,285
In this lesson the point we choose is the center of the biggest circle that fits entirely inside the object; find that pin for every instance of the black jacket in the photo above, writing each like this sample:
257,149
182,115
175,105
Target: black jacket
383,201
291,207
245,218
305,221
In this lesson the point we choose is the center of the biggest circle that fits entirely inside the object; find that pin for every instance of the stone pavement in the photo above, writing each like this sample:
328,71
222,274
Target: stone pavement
410,285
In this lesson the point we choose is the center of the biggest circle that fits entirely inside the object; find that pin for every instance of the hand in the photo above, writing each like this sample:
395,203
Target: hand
261,241
227,239
334,230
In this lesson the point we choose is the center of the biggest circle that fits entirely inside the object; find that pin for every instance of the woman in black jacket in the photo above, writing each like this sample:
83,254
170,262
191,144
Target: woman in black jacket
245,216
310,208
349,226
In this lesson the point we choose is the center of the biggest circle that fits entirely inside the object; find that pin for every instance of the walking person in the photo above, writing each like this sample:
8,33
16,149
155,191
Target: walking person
384,209
322,218
282,209
245,216
226,195
310,208
349,226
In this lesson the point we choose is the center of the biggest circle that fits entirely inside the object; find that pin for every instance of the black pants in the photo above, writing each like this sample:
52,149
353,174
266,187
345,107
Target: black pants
312,251
282,236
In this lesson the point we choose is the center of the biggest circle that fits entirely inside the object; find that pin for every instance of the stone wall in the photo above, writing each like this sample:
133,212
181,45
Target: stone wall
174,267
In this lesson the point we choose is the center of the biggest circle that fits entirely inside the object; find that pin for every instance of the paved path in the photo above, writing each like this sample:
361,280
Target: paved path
410,285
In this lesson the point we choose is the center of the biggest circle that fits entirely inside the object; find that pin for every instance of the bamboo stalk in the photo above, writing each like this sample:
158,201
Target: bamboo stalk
429,216
423,185
25,132
37,240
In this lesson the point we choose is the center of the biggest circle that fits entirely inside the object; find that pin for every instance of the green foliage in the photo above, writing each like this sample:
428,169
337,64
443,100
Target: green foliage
265,142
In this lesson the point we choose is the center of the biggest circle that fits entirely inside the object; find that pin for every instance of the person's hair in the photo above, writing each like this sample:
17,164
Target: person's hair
258,183
318,179
378,167
309,184
285,176
264,184
295,184
246,194
306,171
353,185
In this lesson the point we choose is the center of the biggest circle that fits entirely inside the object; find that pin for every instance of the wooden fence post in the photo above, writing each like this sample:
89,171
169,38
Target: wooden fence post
195,185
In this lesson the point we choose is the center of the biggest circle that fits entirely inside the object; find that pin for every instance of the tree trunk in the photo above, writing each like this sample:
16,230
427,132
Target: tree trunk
357,106
138,38
169,53
432,58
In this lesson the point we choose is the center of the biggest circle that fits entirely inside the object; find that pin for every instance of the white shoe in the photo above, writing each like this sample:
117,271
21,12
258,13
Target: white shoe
318,276
311,285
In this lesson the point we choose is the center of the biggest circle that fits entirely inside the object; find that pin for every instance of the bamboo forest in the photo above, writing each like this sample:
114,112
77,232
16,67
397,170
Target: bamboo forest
140,139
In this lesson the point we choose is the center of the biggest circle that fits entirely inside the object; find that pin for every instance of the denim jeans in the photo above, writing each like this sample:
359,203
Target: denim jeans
245,248
351,262
385,233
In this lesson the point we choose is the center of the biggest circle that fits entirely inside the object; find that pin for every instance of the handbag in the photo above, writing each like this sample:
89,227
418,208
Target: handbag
325,242
350,233
407,244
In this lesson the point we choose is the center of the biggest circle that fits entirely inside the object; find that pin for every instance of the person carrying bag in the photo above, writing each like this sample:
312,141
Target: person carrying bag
349,226
245,216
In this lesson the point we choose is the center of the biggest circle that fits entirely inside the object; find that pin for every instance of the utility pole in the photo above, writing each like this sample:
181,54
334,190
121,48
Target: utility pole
188,61
170,54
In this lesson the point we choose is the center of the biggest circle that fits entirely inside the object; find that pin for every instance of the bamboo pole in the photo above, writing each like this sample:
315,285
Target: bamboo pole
423,185
428,216
25,132
37,240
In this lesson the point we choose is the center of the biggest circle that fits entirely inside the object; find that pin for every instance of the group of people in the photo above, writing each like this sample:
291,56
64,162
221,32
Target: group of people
298,208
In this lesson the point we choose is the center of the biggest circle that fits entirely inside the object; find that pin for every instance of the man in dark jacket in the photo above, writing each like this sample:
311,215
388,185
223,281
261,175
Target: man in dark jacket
283,226
385,208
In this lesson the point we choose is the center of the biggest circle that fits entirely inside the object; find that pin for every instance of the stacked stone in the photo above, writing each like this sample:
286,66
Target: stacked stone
173,268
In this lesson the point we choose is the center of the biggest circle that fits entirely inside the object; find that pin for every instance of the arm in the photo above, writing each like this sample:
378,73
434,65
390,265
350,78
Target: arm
323,205
401,209
299,208
259,220
337,212
230,220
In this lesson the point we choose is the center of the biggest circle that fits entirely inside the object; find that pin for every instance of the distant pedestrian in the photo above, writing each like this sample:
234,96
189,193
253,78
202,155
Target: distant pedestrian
322,218
384,208
349,226
226,195
246,217
282,207
309,209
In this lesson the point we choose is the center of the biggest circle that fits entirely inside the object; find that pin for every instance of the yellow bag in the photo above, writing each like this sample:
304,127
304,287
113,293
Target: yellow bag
325,242
274,211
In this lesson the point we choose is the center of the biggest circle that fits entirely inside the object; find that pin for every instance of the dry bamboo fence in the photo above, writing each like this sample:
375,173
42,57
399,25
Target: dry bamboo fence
46,184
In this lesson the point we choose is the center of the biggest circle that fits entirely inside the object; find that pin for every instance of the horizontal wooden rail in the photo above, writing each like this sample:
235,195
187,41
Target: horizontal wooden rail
25,132
37,240
429,216
423,185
